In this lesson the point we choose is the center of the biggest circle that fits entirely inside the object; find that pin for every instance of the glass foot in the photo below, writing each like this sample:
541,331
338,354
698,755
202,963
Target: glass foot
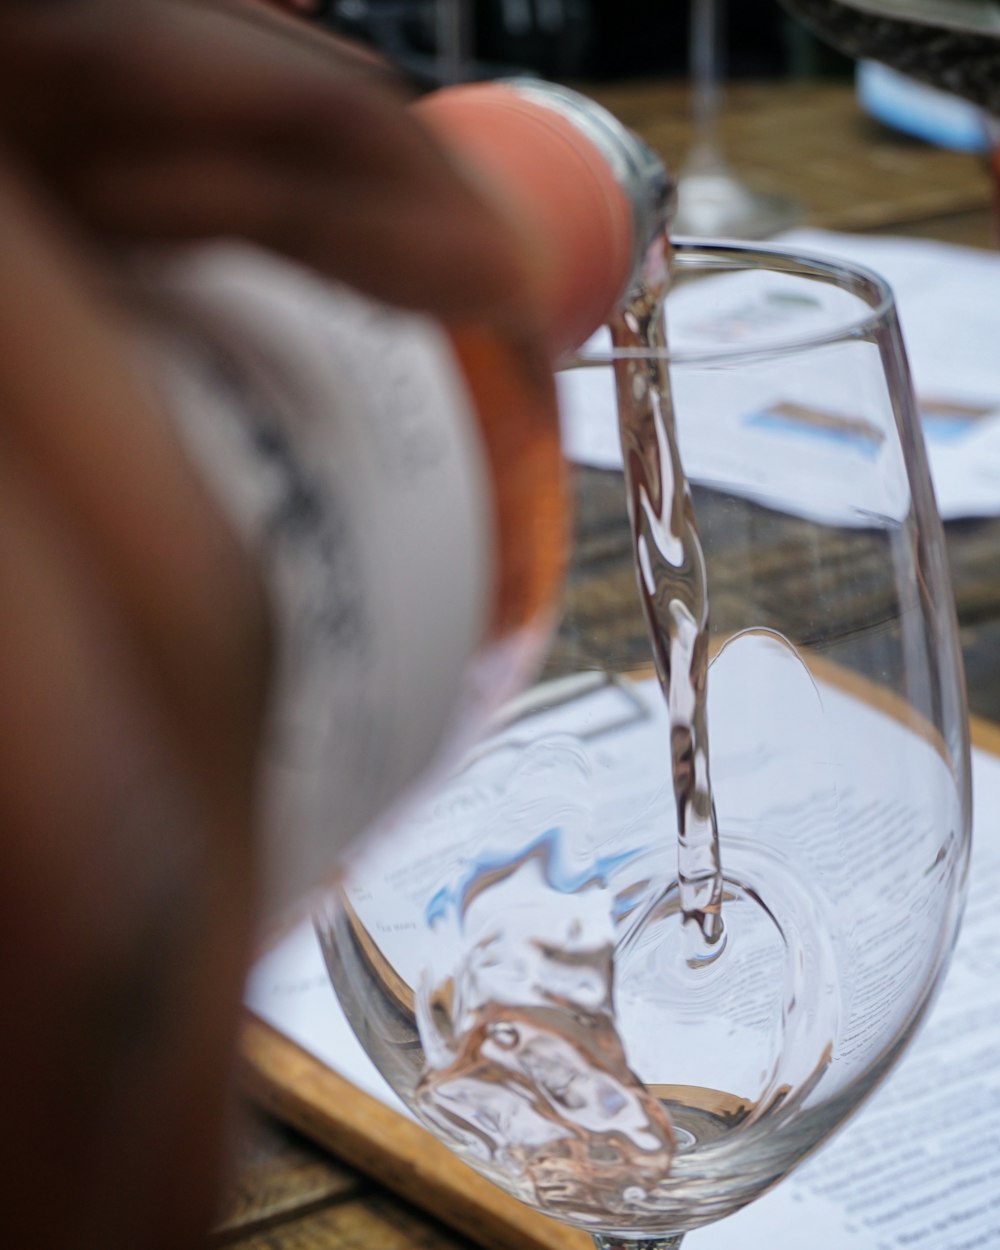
666,1241
716,204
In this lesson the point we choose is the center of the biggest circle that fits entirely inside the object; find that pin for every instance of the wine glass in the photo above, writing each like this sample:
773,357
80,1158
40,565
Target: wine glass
954,47
514,950
711,200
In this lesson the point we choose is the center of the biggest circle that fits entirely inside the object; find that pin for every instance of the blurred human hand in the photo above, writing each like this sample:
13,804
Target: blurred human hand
133,632
162,120
133,672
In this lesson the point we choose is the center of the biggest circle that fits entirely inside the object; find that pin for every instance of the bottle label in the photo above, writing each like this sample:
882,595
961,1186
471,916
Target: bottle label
338,434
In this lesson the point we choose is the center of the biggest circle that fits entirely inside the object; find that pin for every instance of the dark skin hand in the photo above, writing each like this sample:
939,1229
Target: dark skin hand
133,652
174,120
133,632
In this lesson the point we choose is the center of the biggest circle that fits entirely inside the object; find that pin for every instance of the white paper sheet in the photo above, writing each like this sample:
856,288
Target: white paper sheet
919,1166
949,305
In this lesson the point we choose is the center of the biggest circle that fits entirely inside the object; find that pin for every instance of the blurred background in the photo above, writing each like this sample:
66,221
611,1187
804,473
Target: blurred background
593,39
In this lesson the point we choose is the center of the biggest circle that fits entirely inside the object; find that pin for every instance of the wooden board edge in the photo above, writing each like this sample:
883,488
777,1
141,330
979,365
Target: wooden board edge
301,1091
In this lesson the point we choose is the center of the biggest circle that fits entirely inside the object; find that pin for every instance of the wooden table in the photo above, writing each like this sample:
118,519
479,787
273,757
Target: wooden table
813,143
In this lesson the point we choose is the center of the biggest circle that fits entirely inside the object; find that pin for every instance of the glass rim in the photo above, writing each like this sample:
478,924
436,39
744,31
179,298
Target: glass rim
730,256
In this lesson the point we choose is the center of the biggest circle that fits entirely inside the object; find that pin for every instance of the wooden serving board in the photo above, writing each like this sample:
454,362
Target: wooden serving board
303,1092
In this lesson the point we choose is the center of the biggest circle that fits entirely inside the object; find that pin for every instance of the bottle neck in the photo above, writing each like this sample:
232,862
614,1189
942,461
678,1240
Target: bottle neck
586,196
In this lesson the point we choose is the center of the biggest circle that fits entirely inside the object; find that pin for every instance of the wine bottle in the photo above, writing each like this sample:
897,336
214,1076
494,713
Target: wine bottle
399,480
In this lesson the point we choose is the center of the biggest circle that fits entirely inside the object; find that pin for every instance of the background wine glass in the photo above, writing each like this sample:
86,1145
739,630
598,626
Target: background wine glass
511,955
955,47
712,202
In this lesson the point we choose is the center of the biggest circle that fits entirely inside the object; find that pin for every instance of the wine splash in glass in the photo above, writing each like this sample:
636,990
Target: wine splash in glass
516,956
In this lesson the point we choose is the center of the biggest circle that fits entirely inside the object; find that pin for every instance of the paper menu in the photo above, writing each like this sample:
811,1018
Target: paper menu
948,299
919,1165
290,989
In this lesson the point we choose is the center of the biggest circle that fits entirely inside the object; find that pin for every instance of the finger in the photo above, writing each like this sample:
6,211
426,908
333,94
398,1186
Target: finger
203,80
414,256
317,9
308,7
173,64
124,920
125,862
72,407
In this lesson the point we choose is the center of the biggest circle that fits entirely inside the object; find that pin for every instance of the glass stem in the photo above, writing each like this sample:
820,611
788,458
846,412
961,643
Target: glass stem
666,1241
705,57
453,31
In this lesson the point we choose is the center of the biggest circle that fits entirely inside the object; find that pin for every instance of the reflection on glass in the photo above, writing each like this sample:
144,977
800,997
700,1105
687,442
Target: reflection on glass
512,954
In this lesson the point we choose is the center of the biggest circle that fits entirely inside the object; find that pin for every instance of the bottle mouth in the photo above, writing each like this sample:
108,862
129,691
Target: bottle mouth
638,170
861,307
